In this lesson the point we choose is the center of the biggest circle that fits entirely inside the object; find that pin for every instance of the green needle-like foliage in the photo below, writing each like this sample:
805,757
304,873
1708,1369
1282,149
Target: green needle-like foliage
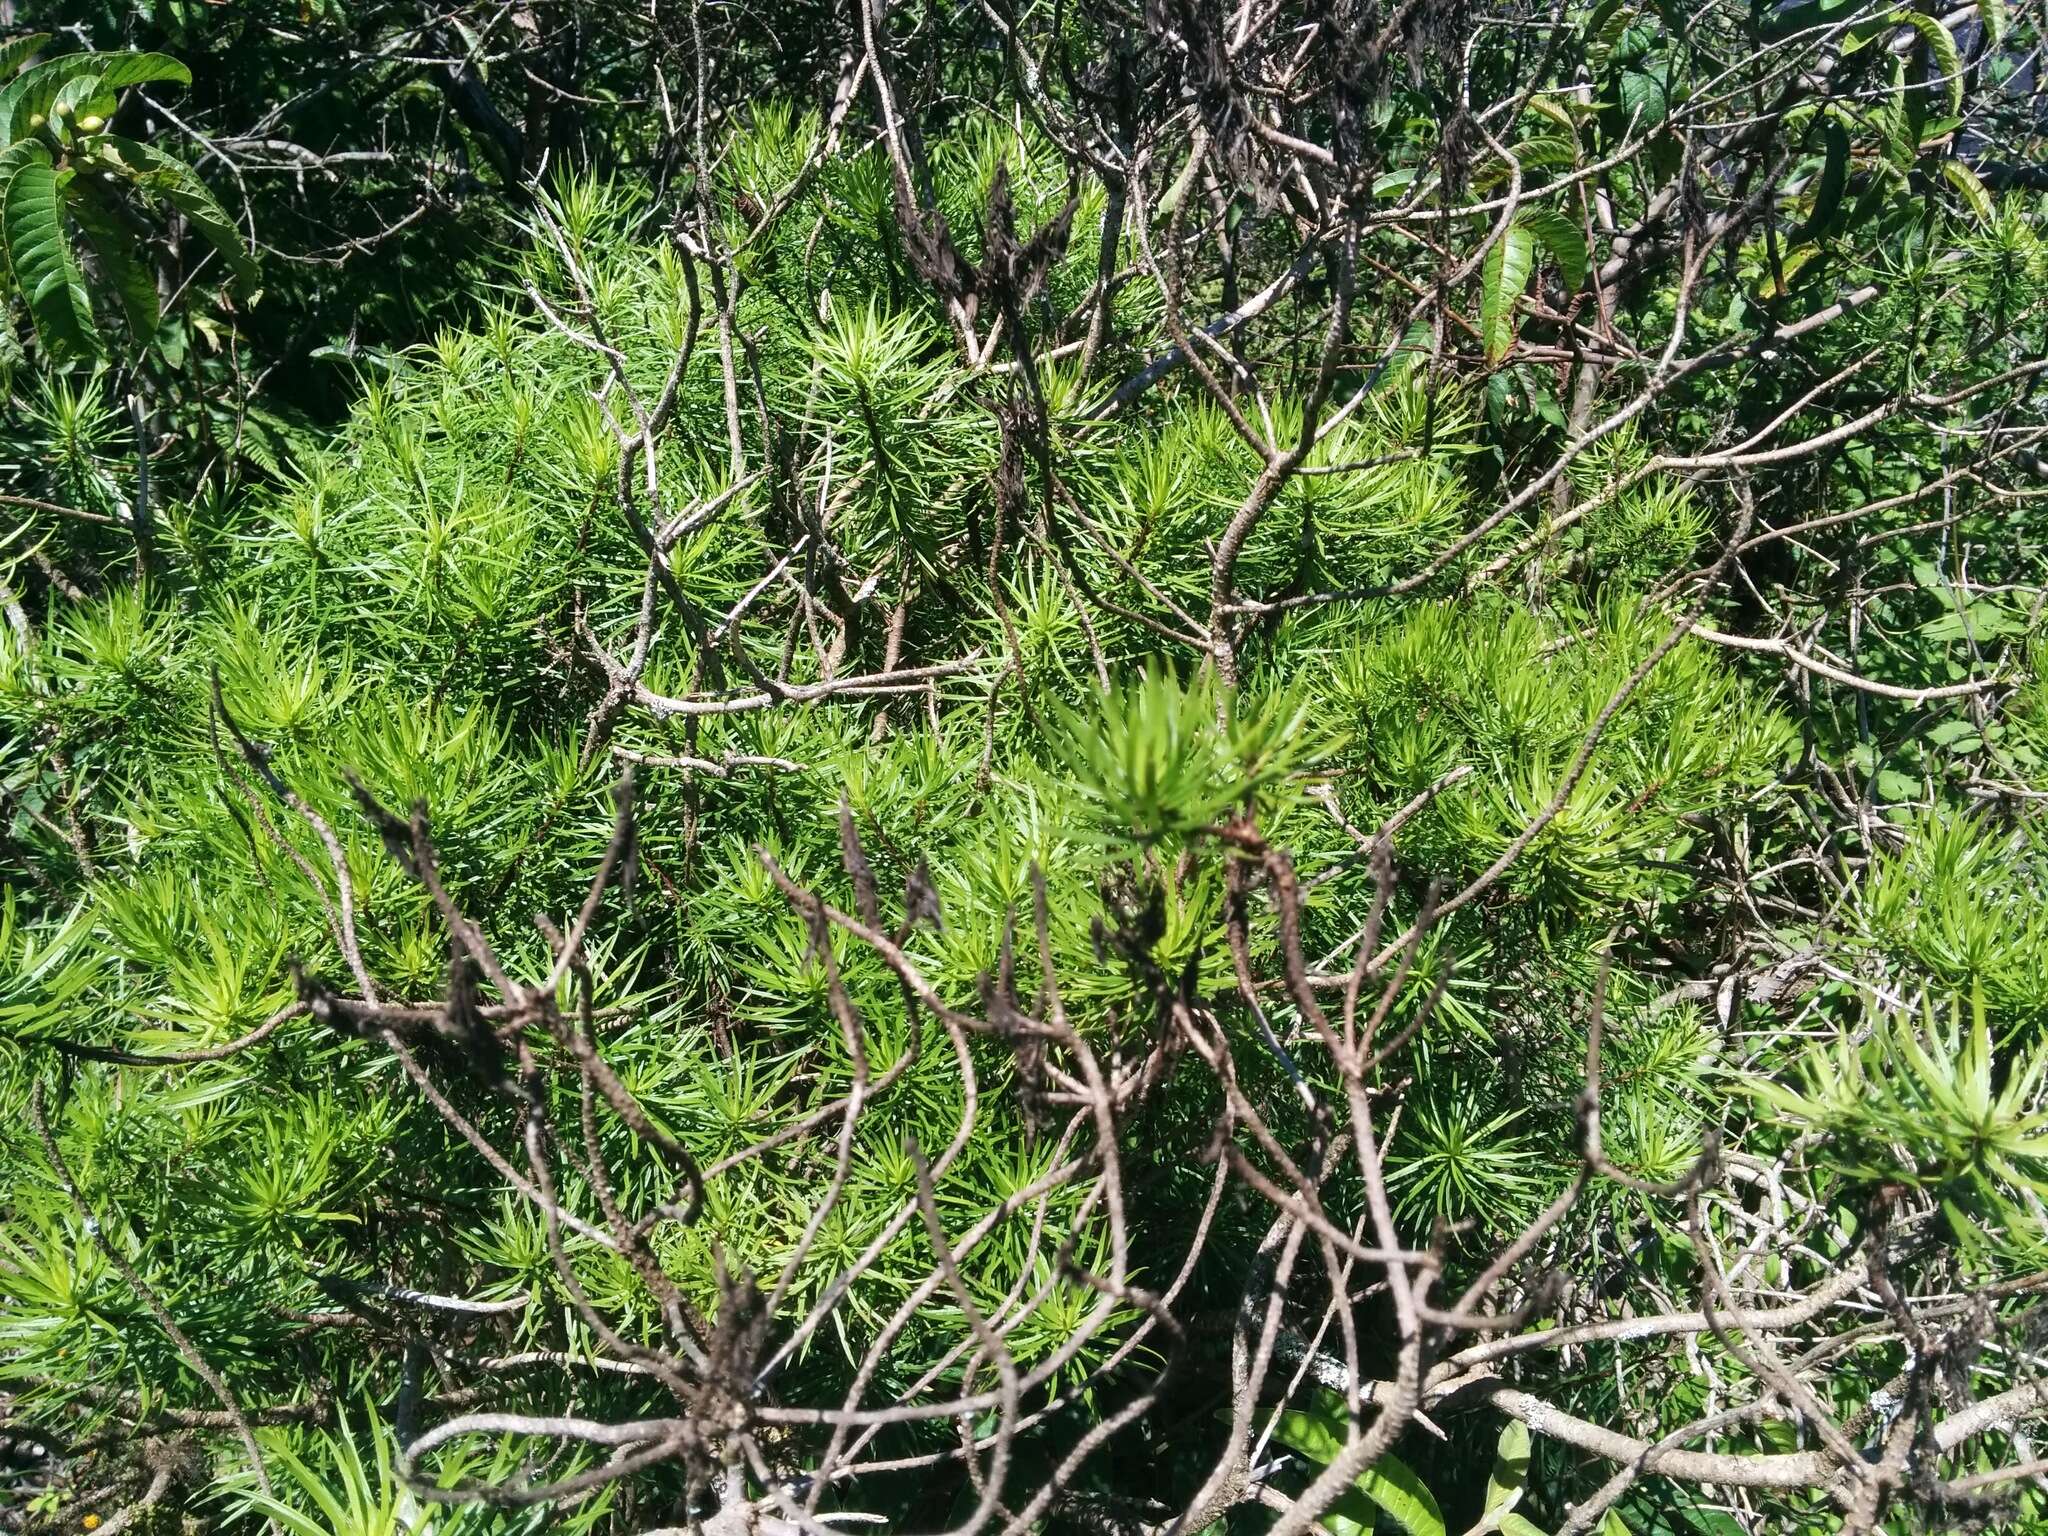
1918,1102
919,749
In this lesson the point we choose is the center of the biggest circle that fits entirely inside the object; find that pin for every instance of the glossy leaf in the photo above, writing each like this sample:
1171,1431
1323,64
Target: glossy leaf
1645,100
1548,152
1501,281
1906,119
1392,1486
1389,1484
173,182
1975,193
1776,285
36,91
114,247
1506,1484
1562,237
1942,53
44,267
16,50
1510,1467
80,96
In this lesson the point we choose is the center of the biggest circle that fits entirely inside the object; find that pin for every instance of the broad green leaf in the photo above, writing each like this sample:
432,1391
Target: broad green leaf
1975,193
1501,281
1510,1467
118,71
1776,286
1512,1524
1893,785
44,267
36,90
1638,39
1992,14
80,97
1712,1522
1977,621
1546,153
1506,1484
1549,153
1645,99
1562,237
1828,188
1898,122
476,56
1318,1433
16,49
172,181
13,159
1390,1484
1863,33
1941,51
115,247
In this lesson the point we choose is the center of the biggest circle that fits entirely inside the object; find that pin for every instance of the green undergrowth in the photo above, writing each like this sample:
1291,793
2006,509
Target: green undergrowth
407,609
418,605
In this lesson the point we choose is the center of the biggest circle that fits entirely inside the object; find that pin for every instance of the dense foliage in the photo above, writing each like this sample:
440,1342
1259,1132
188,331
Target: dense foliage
1434,615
